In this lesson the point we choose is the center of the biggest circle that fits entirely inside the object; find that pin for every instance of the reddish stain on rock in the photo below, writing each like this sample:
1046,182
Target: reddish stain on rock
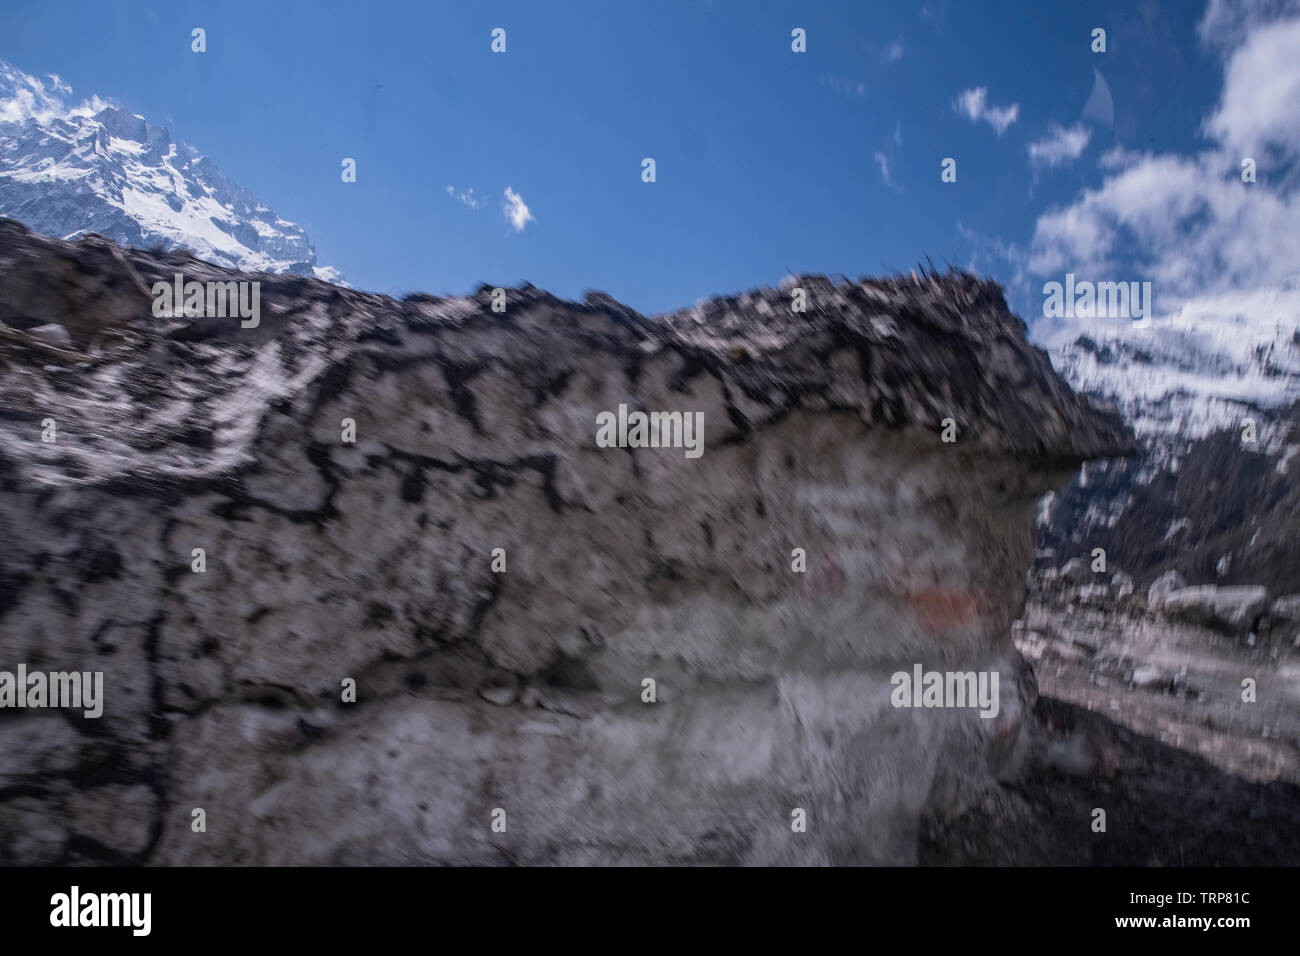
940,610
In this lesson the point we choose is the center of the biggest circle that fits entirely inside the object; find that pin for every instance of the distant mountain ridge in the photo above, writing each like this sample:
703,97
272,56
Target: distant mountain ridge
68,170
1196,386
1201,368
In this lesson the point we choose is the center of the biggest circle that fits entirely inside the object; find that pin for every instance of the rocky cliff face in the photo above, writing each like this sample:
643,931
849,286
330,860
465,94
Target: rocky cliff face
502,711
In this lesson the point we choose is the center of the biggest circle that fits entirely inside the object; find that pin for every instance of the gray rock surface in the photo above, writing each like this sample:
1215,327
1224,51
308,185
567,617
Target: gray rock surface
52,334
1178,680
519,691
1235,609
1286,608
1167,583
1077,571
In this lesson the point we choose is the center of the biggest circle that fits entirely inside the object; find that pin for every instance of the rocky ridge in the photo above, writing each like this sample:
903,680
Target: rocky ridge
519,689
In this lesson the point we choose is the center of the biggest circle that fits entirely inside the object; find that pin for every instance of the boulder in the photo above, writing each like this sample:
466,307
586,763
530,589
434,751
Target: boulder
52,334
365,584
1093,595
1233,609
1163,585
1286,608
1078,571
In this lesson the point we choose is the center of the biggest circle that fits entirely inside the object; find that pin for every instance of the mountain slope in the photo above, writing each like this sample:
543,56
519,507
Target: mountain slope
1211,391
1202,368
70,170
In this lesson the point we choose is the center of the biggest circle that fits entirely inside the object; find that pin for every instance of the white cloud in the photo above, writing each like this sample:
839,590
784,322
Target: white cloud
1188,223
28,97
973,104
934,12
895,52
517,213
847,87
1261,96
887,151
512,204
1061,146
985,248
883,162
468,197
1226,23
1117,157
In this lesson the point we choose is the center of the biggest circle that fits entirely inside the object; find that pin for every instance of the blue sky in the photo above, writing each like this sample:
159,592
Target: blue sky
768,161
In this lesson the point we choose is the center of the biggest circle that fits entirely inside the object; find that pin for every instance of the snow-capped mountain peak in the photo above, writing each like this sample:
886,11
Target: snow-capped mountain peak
67,170
1193,371
1212,389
